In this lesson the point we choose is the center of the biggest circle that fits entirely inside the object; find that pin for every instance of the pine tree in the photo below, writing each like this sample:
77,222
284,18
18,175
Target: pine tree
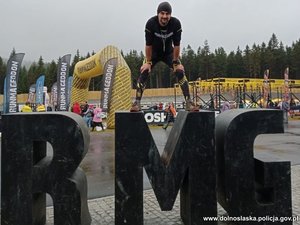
51,75
2,74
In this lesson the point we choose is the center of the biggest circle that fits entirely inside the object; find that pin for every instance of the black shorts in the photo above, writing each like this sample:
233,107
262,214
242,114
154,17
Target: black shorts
167,59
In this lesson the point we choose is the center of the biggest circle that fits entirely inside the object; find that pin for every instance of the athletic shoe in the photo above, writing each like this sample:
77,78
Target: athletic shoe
135,107
191,106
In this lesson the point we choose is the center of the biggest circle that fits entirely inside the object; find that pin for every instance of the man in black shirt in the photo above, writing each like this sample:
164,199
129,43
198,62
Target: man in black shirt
163,36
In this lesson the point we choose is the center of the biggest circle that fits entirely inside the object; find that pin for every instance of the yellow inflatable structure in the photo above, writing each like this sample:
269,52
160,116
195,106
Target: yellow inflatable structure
94,66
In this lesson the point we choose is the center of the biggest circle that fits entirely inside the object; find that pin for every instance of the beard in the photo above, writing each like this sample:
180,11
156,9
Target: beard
163,22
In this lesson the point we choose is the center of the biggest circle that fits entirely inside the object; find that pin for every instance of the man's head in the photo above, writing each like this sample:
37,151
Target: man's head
164,11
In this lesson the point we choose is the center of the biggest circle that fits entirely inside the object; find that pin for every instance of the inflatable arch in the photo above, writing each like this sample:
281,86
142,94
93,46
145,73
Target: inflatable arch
95,65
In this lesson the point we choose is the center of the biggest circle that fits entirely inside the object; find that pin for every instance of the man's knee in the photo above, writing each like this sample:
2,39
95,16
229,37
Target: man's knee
179,74
143,77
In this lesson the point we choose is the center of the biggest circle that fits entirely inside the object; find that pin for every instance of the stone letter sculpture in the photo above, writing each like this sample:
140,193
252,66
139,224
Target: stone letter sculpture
27,173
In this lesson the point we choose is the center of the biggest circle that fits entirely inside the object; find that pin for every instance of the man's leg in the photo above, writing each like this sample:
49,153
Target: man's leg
184,85
101,125
141,85
178,70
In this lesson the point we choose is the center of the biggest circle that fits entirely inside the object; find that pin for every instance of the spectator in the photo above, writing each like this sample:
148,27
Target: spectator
76,108
292,103
26,107
41,108
97,119
160,106
285,107
225,106
84,108
88,115
171,114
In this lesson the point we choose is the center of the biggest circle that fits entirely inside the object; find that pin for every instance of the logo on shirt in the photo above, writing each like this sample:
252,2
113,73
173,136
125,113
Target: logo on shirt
163,36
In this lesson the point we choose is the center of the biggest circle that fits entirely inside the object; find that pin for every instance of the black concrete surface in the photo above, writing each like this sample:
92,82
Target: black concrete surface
98,163
240,176
187,163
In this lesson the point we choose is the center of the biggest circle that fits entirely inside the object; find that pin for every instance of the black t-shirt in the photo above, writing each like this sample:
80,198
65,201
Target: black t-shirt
161,38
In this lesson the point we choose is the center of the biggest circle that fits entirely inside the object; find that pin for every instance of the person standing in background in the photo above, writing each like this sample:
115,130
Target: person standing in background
97,118
171,115
26,107
76,108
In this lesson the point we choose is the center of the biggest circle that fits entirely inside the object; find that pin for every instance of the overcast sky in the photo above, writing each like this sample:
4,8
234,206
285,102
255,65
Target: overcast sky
53,28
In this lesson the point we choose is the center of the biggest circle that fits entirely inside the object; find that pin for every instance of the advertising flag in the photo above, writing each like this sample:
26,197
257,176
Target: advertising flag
108,80
286,83
62,82
53,98
31,93
39,96
266,88
4,95
12,74
70,80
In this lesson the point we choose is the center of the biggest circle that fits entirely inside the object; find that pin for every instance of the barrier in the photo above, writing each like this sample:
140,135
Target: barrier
207,159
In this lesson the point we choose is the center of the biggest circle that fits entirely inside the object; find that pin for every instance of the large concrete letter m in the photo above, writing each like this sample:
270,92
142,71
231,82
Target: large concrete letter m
187,163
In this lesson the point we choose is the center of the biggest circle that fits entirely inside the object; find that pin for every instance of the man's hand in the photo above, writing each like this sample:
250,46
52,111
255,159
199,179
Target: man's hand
145,66
177,65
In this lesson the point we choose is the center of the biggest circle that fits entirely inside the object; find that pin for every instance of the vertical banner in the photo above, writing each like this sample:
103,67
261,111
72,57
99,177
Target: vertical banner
53,97
4,95
108,80
31,93
39,97
70,80
286,83
62,82
266,88
12,74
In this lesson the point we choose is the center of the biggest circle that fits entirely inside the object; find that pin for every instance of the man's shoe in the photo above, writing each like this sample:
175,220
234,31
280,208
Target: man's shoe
191,106
135,107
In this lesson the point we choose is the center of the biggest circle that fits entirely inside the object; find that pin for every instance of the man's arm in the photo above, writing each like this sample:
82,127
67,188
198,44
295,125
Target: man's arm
176,53
176,43
147,65
176,62
148,50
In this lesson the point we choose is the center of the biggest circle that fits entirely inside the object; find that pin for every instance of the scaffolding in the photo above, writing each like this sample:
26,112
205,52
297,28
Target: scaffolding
243,92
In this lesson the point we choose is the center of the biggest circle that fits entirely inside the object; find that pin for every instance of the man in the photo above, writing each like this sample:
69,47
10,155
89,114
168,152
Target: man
163,36
171,114
285,107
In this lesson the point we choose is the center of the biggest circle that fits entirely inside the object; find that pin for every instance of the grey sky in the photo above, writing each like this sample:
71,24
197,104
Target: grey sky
53,28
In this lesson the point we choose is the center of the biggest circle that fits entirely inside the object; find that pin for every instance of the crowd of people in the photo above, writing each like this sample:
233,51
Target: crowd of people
28,107
91,114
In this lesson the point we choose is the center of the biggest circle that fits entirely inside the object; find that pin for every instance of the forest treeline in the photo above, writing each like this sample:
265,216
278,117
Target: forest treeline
203,63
